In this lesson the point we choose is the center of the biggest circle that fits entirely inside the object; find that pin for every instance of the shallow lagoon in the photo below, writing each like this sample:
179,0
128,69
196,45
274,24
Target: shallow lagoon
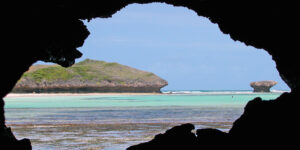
116,122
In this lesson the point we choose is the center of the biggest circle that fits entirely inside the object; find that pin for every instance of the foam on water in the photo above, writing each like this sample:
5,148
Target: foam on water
220,92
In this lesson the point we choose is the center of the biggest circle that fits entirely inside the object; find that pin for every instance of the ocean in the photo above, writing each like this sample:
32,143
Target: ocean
114,122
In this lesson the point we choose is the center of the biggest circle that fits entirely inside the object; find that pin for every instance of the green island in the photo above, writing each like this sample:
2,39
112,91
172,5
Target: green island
88,76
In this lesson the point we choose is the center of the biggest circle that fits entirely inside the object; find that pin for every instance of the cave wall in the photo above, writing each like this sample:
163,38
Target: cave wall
52,31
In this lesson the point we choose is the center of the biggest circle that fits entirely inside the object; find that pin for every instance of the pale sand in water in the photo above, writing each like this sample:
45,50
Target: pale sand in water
74,94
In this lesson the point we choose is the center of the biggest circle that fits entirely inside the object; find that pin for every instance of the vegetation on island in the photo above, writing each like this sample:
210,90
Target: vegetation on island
88,70
87,73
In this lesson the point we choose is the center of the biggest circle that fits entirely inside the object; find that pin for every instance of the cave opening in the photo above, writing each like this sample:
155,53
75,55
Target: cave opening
158,38
63,114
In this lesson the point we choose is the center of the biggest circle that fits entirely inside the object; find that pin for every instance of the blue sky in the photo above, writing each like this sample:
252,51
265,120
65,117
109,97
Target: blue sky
174,43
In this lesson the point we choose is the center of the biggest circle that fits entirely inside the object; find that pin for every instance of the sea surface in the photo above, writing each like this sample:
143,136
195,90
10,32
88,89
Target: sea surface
114,122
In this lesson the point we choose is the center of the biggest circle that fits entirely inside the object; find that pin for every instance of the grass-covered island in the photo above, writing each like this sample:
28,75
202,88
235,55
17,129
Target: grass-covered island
88,76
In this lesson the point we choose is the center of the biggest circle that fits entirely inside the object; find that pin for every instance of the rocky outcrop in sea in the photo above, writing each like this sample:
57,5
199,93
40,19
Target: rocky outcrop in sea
262,86
88,76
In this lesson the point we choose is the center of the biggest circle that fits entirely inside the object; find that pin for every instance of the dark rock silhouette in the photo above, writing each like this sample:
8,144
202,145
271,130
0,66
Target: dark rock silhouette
179,137
9,141
52,31
262,86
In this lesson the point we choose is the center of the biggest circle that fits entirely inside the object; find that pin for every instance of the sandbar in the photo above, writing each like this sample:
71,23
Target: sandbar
74,94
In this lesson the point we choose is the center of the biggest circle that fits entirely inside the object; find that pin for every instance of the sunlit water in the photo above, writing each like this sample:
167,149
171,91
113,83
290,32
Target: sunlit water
115,122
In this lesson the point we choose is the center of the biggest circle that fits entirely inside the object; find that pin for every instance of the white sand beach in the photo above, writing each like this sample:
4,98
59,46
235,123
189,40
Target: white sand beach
73,94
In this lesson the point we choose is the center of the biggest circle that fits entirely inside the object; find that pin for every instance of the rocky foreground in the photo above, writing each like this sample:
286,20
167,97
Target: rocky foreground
88,76
262,86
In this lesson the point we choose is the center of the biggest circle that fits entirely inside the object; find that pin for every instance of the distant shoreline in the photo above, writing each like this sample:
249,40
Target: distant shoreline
74,94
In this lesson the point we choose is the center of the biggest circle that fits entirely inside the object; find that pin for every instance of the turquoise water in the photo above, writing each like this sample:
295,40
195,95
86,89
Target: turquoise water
116,122
208,107
203,100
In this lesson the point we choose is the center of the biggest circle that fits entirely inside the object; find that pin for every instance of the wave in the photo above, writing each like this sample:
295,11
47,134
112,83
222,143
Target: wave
280,91
200,92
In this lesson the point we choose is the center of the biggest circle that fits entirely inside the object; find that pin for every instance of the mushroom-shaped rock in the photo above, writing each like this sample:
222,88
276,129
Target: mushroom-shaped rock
262,86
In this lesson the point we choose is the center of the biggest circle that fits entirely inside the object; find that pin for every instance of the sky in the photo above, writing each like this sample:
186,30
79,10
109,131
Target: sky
188,51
